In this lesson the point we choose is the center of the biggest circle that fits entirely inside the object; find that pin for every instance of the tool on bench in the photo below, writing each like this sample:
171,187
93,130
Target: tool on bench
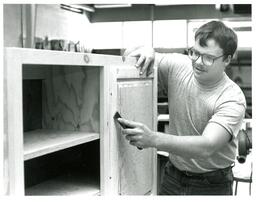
116,116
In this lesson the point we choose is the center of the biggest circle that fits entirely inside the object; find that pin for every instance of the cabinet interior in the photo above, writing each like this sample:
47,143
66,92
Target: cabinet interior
72,171
61,129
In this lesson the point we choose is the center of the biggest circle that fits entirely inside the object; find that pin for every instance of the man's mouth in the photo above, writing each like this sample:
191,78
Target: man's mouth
199,69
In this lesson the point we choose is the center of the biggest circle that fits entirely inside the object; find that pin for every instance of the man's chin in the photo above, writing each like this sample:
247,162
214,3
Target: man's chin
199,76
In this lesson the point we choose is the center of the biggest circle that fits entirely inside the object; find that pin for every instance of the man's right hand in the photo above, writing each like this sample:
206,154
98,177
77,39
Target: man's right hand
145,58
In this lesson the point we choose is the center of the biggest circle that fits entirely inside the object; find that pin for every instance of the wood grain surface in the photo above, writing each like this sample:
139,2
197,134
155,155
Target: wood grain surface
71,99
45,141
136,166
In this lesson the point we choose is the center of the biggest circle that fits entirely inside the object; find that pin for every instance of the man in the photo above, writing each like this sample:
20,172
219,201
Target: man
206,111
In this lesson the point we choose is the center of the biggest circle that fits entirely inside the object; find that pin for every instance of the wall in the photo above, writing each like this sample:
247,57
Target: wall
142,12
58,23
115,28
12,25
50,21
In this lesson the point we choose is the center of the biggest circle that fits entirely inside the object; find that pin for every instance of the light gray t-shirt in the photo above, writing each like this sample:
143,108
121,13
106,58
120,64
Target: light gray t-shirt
192,107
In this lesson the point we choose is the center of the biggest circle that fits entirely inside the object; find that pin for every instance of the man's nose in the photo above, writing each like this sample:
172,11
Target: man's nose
199,60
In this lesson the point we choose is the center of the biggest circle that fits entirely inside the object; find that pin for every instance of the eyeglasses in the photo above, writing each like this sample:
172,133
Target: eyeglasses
207,60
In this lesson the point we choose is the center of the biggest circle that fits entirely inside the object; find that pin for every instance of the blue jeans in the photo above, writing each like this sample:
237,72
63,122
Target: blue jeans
176,182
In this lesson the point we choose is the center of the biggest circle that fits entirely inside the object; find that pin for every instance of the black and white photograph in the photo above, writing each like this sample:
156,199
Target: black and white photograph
127,99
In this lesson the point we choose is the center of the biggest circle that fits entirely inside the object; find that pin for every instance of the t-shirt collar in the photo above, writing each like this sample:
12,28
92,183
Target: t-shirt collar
212,86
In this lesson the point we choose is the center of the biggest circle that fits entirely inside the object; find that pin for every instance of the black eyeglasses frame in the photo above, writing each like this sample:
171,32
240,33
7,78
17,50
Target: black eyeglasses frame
201,55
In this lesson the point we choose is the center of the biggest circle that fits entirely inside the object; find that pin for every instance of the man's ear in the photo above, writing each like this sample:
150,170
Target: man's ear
227,60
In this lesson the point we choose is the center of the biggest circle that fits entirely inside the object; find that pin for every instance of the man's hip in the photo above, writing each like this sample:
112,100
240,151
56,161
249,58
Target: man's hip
177,182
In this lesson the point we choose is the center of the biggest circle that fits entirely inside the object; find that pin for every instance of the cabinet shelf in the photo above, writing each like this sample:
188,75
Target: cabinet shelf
43,141
76,183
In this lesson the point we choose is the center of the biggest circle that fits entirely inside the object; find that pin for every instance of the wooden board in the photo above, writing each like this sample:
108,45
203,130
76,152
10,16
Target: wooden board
41,142
13,125
71,98
71,184
135,166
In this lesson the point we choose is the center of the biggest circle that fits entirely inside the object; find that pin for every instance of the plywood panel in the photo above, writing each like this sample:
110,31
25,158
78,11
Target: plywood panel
13,124
50,57
41,142
71,99
135,166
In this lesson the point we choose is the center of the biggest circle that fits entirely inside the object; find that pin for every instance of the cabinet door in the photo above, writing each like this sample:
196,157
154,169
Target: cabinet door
136,101
135,166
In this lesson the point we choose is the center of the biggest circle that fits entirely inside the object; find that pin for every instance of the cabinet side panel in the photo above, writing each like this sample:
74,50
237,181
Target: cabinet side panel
71,99
135,166
13,125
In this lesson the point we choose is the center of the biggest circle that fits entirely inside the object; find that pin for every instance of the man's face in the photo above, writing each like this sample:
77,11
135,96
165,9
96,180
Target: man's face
209,74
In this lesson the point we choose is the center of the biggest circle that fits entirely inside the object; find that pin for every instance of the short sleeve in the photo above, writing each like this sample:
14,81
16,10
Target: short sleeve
229,112
166,64
163,72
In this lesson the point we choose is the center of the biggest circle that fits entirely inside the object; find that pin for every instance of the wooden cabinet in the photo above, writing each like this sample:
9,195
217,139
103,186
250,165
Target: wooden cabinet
61,138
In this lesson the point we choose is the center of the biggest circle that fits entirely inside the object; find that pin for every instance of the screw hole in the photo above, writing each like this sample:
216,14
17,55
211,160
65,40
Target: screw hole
86,58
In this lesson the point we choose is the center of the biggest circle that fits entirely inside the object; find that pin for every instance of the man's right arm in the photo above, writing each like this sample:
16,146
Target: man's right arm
145,58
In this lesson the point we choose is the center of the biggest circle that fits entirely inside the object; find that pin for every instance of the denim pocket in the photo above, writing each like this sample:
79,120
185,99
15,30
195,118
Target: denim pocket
220,177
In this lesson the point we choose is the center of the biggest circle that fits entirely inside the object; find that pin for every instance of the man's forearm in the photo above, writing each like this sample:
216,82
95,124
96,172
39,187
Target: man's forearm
187,146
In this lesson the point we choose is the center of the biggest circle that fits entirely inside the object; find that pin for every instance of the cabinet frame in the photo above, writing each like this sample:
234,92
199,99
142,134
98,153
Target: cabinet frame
111,68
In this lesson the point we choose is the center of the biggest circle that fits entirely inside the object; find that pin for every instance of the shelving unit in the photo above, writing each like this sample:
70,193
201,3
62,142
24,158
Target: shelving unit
61,135
44,141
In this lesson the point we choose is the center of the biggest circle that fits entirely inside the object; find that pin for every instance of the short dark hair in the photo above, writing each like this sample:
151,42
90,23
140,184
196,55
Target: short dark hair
223,35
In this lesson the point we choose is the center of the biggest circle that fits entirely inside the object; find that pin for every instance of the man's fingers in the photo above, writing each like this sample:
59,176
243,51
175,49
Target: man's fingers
140,61
131,137
132,142
128,123
131,132
150,68
132,51
135,143
146,65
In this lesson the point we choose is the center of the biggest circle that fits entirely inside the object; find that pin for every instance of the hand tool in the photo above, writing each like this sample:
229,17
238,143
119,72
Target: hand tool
116,116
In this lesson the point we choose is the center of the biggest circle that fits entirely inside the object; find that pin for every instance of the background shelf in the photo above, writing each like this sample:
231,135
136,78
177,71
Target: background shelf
45,141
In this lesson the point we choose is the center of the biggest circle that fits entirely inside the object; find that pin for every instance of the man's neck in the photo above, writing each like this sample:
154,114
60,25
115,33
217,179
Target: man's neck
211,84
